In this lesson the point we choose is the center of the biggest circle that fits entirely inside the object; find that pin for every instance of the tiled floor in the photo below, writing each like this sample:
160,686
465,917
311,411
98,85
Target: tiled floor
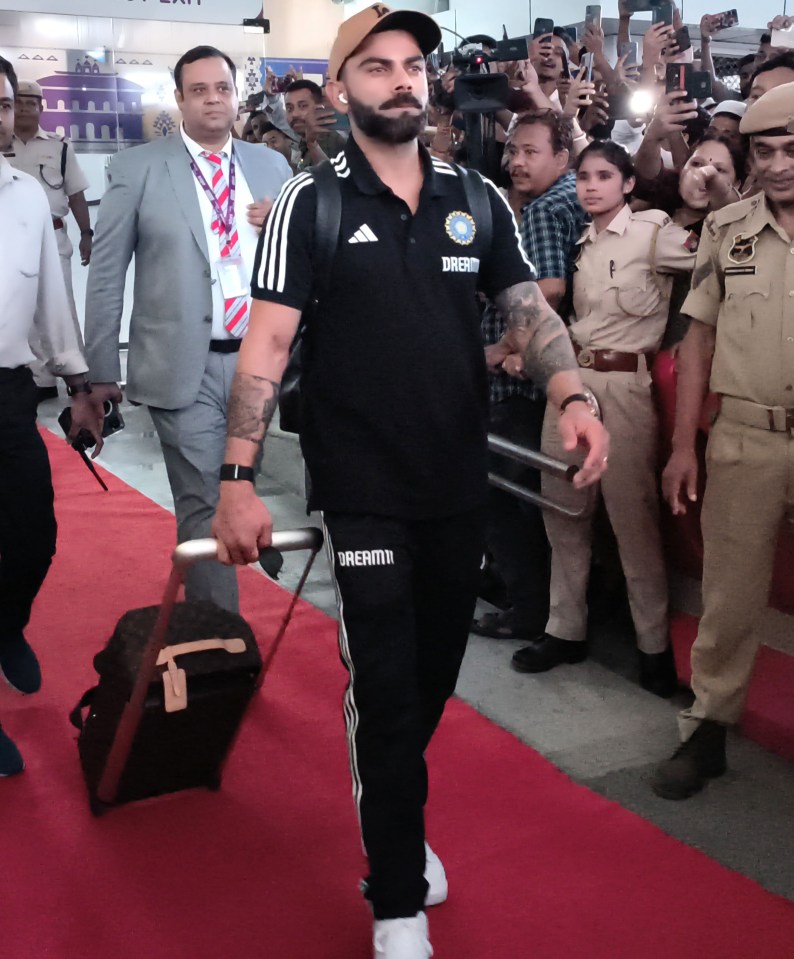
592,720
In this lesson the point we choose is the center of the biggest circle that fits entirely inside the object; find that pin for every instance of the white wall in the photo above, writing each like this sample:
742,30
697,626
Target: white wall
302,28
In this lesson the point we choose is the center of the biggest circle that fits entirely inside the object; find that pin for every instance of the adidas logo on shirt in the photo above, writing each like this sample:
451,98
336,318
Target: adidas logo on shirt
363,235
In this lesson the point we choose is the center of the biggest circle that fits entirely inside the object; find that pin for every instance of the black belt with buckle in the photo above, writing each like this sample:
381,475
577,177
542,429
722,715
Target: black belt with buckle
225,346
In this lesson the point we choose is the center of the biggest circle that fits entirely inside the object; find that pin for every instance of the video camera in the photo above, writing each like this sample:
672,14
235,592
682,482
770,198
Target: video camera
478,90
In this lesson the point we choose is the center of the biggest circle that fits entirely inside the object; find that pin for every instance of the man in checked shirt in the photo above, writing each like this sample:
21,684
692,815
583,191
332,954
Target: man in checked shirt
543,198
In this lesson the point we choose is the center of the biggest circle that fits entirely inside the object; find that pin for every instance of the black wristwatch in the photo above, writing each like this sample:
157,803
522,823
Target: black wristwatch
573,398
587,398
84,387
231,471
86,232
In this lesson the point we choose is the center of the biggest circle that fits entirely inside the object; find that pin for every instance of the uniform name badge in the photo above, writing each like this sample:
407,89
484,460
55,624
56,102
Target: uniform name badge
233,277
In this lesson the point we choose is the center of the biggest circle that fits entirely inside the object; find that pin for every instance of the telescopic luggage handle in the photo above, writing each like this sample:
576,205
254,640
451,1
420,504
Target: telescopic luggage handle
285,541
184,556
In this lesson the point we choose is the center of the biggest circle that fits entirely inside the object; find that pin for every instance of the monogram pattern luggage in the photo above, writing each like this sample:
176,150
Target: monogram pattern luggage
175,681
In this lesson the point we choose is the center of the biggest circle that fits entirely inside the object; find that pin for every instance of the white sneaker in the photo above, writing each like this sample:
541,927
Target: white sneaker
437,885
402,938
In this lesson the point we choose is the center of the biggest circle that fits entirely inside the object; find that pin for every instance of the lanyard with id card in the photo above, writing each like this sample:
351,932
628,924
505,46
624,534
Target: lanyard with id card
232,276
231,270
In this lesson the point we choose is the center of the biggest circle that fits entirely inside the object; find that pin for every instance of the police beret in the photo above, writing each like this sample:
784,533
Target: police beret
772,114
29,88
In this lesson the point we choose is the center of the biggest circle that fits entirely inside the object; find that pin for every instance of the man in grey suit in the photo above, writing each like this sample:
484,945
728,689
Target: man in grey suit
190,208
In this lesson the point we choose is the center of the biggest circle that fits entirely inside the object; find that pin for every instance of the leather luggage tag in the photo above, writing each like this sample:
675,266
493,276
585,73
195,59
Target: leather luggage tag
175,679
174,688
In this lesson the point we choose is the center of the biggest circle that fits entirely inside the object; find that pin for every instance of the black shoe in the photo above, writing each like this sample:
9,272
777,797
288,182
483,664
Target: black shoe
10,759
46,393
548,653
503,625
700,758
657,673
18,664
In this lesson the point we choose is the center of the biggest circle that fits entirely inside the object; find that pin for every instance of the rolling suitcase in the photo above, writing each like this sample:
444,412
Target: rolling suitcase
175,681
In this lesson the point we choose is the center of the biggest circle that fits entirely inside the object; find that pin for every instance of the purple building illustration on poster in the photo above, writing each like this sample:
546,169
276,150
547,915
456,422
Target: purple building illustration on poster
93,108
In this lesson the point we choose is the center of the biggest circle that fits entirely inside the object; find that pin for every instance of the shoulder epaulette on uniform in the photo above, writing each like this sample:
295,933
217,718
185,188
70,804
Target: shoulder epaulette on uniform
735,211
716,223
657,217
56,136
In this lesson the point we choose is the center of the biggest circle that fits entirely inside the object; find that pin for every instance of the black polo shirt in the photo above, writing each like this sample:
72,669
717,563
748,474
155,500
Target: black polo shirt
396,391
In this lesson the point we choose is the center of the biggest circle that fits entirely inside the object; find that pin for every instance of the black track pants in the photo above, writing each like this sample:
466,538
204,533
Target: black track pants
27,519
406,593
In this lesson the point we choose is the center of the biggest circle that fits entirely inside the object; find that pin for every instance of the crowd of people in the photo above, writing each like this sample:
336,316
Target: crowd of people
622,218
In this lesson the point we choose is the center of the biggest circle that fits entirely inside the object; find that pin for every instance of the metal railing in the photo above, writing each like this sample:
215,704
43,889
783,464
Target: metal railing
538,460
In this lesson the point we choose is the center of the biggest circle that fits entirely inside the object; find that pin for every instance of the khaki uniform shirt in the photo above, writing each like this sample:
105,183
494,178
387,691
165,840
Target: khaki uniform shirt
744,285
41,158
620,300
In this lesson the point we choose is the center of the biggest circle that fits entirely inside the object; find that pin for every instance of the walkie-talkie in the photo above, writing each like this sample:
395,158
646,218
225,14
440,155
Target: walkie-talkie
113,423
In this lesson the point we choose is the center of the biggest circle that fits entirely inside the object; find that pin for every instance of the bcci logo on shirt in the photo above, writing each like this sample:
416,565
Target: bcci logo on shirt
461,228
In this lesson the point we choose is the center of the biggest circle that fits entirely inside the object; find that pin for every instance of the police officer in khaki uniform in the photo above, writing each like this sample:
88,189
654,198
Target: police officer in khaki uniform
621,291
742,335
51,159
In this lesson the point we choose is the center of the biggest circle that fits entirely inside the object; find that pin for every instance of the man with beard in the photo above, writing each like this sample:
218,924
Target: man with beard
395,429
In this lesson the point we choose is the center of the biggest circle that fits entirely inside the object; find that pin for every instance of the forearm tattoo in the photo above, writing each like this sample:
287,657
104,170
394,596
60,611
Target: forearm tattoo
252,404
536,332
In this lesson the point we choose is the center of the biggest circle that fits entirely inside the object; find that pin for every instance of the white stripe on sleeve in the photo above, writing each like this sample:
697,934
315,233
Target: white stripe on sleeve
276,231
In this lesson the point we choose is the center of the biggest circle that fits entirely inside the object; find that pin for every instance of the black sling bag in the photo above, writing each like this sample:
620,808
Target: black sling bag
328,218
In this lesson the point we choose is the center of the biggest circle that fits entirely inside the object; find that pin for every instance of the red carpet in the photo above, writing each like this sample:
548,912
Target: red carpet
268,867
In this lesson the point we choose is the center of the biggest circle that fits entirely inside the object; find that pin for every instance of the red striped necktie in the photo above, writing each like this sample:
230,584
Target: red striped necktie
236,319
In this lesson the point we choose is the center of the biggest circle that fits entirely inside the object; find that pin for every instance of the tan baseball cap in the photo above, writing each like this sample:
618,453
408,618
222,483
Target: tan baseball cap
29,88
377,19
772,114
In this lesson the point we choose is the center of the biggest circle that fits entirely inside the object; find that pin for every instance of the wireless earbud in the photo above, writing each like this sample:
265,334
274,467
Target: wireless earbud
343,98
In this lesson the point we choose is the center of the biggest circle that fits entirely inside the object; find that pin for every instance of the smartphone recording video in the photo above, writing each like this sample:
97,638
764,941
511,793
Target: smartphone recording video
630,51
586,64
729,18
683,76
592,15
663,14
683,40
542,26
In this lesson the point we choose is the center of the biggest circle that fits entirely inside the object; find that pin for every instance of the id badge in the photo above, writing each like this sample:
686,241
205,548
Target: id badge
233,277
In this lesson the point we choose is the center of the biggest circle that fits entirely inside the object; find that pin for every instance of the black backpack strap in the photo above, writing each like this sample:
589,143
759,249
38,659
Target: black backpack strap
63,159
328,218
479,204
327,221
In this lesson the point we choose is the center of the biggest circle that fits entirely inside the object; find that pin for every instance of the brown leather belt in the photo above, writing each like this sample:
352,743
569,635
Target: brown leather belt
57,223
611,361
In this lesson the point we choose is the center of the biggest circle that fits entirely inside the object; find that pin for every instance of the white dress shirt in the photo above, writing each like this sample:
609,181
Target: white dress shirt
32,290
249,237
